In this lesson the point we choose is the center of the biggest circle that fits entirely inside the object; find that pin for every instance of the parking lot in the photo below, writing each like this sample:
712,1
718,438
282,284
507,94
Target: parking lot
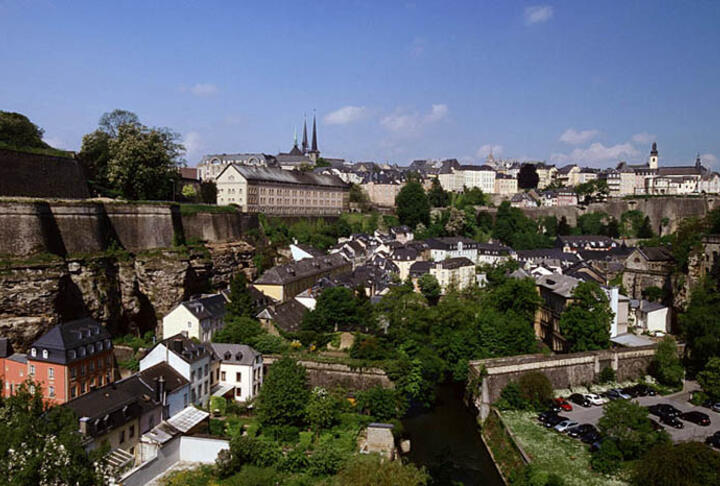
690,432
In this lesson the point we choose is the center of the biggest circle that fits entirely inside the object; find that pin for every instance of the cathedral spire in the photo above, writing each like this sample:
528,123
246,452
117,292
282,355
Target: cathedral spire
305,140
314,135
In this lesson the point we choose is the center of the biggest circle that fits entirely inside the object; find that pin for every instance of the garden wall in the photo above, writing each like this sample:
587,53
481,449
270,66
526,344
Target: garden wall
331,375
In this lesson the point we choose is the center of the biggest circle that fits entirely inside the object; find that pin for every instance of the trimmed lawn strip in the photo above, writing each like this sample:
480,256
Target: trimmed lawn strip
556,453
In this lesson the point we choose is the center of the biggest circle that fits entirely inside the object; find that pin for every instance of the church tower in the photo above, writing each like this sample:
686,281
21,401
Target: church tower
653,160
305,141
314,153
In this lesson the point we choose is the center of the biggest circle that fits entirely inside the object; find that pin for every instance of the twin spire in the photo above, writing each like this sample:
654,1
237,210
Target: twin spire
305,148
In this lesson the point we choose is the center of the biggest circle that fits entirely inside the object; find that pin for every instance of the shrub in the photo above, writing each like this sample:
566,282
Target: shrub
326,460
379,402
511,398
686,464
608,458
607,375
218,404
666,366
535,388
282,433
294,461
252,450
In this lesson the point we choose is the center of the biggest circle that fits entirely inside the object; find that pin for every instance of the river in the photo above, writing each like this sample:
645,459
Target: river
446,440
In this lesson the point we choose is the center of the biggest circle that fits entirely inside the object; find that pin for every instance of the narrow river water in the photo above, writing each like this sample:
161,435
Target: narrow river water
446,440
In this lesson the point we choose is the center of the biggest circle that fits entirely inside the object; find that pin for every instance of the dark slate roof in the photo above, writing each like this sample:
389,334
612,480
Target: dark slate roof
600,241
269,174
310,250
240,354
286,316
186,348
18,357
566,169
284,274
452,263
680,171
493,249
404,254
617,253
5,348
450,243
206,307
484,167
420,268
69,338
546,253
173,379
656,253
113,405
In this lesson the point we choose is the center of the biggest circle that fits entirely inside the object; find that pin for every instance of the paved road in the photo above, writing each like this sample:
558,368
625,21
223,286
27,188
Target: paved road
690,432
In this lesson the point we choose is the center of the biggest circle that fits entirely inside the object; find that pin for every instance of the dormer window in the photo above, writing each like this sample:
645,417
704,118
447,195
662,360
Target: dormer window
45,354
72,354
99,346
91,349
82,351
33,352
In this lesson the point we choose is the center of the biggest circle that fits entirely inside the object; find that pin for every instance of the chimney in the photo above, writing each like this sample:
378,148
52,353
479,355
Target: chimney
158,395
84,421
161,390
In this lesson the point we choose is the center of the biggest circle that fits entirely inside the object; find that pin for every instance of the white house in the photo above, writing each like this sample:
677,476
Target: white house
198,318
169,385
650,316
193,361
240,373
452,247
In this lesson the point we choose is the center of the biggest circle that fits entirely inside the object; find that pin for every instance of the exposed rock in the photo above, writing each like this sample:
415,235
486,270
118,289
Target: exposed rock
123,292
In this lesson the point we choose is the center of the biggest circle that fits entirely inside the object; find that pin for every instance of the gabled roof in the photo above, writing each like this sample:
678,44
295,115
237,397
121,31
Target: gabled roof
453,263
173,379
656,253
240,354
73,335
450,243
185,348
269,174
206,307
286,316
562,285
284,274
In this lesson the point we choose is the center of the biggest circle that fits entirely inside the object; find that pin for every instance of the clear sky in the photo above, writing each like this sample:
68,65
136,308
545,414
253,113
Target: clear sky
590,82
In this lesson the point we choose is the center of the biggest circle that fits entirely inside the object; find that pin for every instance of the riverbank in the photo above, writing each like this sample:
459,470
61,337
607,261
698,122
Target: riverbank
446,440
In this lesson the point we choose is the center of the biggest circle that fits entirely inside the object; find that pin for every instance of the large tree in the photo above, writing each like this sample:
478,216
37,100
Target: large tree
111,122
628,422
338,308
412,205
41,446
18,131
528,177
284,394
430,288
700,325
684,464
666,366
437,196
241,302
585,323
709,378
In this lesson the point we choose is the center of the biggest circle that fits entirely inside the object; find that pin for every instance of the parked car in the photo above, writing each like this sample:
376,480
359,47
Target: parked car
580,430
544,416
661,409
714,440
563,404
617,394
671,421
553,421
596,399
714,406
591,437
579,399
696,417
639,390
565,425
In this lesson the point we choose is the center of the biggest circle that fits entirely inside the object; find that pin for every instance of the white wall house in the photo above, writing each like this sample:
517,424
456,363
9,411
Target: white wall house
651,316
240,372
191,360
452,247
198,318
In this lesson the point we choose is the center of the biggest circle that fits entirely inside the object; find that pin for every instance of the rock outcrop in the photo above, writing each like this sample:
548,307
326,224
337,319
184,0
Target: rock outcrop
123,291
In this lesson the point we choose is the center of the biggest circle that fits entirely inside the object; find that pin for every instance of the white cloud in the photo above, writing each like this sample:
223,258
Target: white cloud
575,137
345,115
643,137
538,14
203,89
193,146
597,154
709,160
485,150
406,123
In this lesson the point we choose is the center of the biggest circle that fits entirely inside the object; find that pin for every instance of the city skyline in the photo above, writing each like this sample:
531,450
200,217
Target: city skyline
564,82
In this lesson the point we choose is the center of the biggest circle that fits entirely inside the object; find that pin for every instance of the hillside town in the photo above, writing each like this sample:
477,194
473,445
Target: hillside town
360,244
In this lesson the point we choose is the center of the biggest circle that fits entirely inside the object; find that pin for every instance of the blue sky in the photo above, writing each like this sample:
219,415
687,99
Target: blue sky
590,82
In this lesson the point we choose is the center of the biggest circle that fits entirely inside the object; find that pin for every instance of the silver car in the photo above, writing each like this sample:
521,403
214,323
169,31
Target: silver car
565,425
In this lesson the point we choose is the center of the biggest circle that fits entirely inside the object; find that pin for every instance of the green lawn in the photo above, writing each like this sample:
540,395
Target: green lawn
554,452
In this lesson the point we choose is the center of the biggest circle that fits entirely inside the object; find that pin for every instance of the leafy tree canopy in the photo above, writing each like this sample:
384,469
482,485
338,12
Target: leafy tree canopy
284,394
18,131
528,177
666,366
700,325
628,422
241,302
585,323
684,464
338,309
437,196
709,378
412,206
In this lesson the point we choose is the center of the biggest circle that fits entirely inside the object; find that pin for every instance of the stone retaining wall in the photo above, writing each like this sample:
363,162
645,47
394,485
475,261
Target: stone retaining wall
333,375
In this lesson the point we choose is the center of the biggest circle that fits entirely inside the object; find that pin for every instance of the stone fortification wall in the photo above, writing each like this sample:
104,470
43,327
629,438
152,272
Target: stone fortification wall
660,209
490,376
35,175
65,227
333,375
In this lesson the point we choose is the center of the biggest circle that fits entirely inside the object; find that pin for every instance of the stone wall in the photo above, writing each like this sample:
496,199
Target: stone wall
34,175
490,376
331,375
66,228
659,209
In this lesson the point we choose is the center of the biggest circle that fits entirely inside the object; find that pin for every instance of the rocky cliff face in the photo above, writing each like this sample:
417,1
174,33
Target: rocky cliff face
123,292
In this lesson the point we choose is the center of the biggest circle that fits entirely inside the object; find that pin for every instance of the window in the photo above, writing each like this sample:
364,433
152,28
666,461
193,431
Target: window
189,324
51,373
82,388
99,346
45,354
192,375
91,349
131,431
73,391
185,401
51,391
91,366
33,352
32,370
206,370
32,389
122,436
223,378
238,377
82,370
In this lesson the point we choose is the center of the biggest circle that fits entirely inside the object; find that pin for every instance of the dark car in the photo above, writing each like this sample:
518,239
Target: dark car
580,430
713,440
696,417
671,421
639,390
591,437
552,421
662,409
579,399
714,406
544,416
616,394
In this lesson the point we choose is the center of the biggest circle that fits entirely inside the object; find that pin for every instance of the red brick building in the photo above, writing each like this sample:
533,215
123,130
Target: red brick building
70,360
